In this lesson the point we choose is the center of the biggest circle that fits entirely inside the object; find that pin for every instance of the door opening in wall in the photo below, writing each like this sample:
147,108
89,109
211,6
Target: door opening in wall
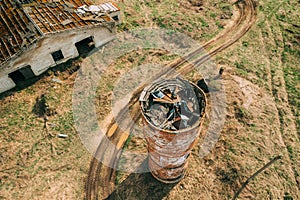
22,74
85,46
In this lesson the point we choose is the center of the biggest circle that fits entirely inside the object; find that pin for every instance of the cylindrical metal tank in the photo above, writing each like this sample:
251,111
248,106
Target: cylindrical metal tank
173,112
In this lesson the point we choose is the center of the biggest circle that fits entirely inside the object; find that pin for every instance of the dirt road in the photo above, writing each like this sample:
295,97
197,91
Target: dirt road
101,179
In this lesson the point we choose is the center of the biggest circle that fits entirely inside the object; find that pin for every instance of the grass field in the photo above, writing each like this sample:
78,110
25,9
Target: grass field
262,73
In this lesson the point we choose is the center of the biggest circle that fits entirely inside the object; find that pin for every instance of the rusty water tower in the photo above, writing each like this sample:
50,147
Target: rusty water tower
173,112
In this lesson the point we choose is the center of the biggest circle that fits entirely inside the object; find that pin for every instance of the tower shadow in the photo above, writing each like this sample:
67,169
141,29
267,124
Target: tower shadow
139,186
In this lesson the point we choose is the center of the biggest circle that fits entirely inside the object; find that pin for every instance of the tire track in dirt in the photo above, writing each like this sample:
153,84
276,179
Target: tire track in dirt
286,119
102,177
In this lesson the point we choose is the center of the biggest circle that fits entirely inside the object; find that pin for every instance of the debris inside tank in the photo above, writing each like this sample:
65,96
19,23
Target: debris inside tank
173,107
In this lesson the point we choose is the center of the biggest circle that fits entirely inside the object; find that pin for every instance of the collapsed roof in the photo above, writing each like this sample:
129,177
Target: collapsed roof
23,23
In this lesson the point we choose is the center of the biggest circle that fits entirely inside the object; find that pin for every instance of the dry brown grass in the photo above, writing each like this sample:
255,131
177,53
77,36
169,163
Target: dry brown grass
260,121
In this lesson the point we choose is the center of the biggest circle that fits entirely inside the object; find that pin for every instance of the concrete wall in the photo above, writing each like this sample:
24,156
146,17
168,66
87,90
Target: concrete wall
6,83
39,55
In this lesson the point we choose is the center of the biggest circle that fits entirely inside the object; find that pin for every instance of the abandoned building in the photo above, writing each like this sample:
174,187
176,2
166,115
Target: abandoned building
37,35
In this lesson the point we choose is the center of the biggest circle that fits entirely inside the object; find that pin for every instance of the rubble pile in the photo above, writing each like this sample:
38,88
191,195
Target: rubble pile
96,9
173,104
98,13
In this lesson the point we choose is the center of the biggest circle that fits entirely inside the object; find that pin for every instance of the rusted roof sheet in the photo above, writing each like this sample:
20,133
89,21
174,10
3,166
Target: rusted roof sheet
22,23
16,30
63,15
